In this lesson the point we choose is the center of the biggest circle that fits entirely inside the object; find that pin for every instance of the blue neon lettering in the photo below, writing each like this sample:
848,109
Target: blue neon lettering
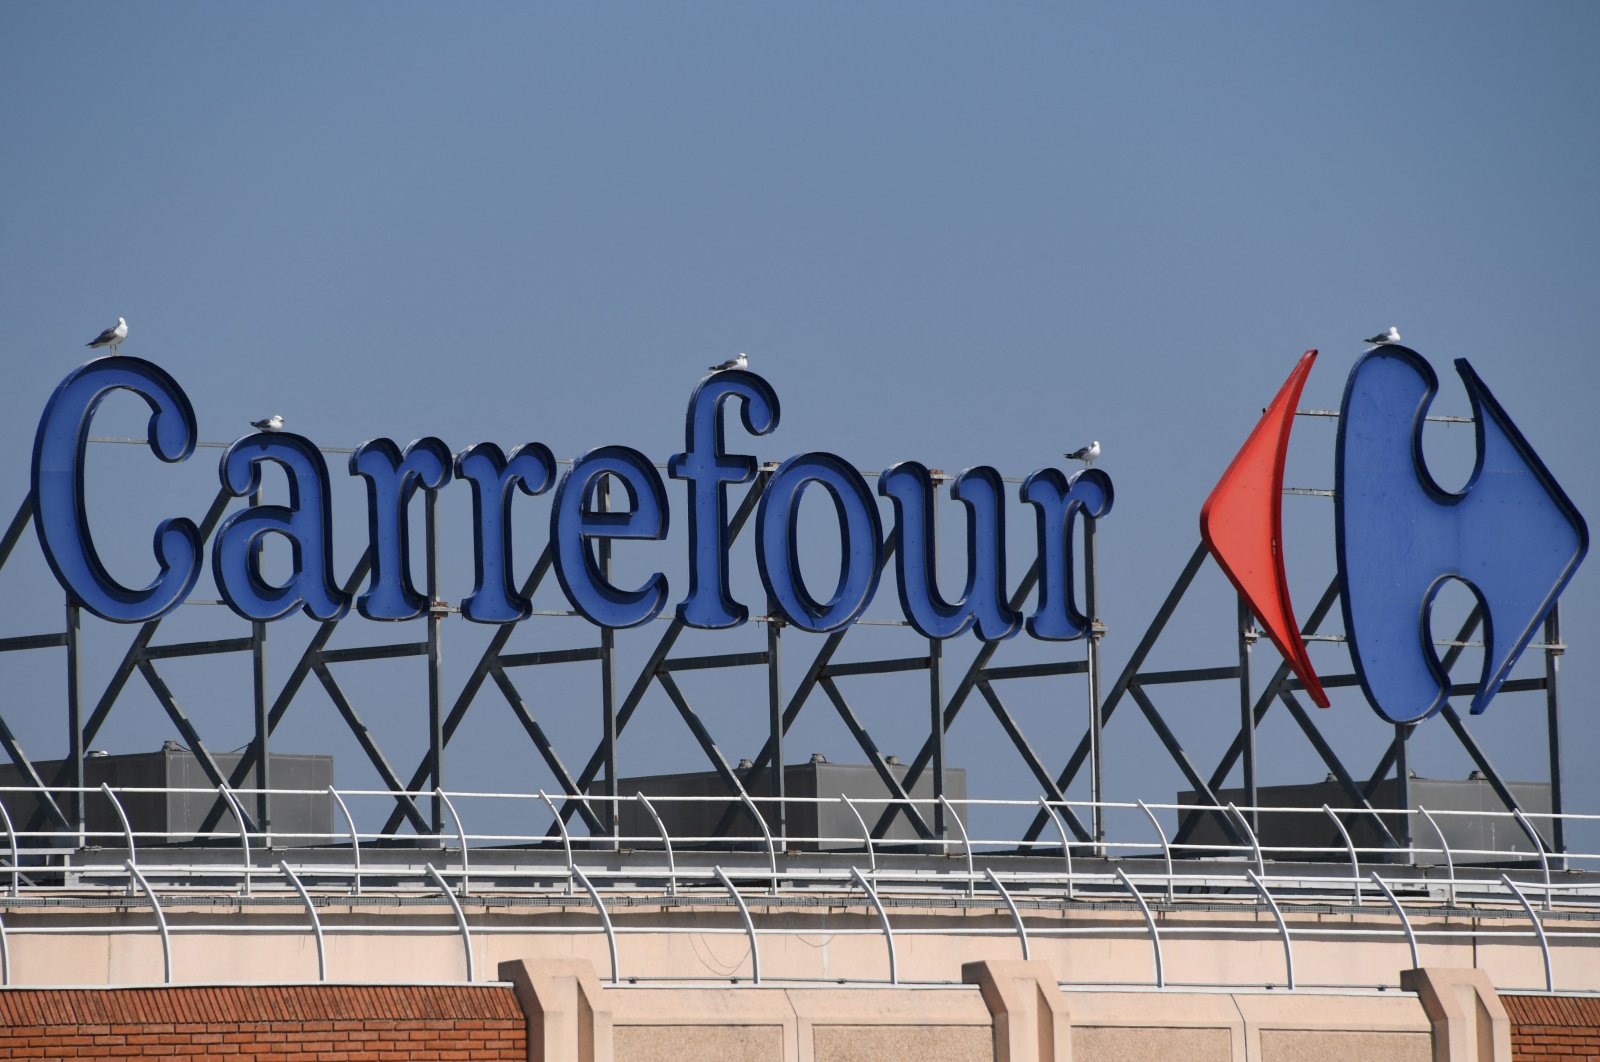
574,521
860,541
493,476
709,468
392,478
306,522
59,514
1058,502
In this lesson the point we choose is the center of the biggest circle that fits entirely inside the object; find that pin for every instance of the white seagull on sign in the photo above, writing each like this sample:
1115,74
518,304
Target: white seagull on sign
1384,338
268,424
111,337
1087,454
738,361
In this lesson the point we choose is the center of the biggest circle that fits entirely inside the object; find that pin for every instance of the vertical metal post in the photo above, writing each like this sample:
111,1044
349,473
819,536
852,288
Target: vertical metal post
75,749
1091,606
258,662
1552,704
608,685
435,659
1247,717
780,817
936,694
1402,774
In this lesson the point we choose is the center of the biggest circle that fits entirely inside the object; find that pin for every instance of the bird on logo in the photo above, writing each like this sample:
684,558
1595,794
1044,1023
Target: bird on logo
1384,338
270,424
738,361
1087,454
111,337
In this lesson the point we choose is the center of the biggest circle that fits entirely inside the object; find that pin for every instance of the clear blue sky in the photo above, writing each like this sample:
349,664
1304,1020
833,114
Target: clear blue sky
964,234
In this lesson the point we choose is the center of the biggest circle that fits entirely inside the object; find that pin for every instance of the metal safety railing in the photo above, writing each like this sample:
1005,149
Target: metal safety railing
1507,892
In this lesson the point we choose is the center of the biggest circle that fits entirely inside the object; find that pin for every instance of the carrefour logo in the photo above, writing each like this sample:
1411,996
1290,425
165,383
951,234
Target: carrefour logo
1511,534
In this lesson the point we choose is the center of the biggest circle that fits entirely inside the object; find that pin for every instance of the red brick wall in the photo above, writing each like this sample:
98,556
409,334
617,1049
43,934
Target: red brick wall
1553,1027
298,1023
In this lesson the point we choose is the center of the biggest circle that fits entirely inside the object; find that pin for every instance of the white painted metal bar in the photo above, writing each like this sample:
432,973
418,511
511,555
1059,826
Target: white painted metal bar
605,919
1066,842
1149,924
666,839
1166,846
1538,929
355,840
311,911
772,852
966,844
127,830
1538,846
244,831
872,853
161,921
1016,915
883,919
749,924
461,920
461,835
1405,919
1255,845
1283,927
1449,857
1355,862
566,843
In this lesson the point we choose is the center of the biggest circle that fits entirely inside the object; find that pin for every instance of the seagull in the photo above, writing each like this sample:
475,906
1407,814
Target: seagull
1087,454
111,337
1383,338
738,362
268,424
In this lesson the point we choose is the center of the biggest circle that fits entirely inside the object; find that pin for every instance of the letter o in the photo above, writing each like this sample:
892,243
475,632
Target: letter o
860,541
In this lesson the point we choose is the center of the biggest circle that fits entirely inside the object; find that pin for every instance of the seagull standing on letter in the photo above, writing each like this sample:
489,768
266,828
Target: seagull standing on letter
270,424
1087,454
739,361
1384,338
111,337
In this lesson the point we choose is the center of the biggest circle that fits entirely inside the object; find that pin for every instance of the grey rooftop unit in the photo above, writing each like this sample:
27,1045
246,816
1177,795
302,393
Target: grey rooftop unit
693,823
297,818
1477,838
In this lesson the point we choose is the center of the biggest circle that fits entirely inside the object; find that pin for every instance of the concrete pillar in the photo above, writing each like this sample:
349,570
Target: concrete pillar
568,1020
1469,1021
1030,1015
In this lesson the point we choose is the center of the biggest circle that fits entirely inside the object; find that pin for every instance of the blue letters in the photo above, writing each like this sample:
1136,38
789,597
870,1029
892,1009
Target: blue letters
306,522
1058,501
530,468
58,508
391,481
574,521
860,538
1511,535
709,468
984,598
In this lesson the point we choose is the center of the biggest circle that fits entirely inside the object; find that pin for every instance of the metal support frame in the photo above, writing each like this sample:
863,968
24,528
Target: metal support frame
883,920
1538,929
355,839
666,841
966,842
1166,847
161,920
461,919
1283,926
311,912
1538,847
866,834
605,919
566,839
1449,857
1066,845
244,832
1400,912
1016,915
1149,924
442,797
749,924
1250,835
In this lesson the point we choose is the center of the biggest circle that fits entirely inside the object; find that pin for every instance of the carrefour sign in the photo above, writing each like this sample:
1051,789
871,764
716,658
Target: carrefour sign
1511,534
